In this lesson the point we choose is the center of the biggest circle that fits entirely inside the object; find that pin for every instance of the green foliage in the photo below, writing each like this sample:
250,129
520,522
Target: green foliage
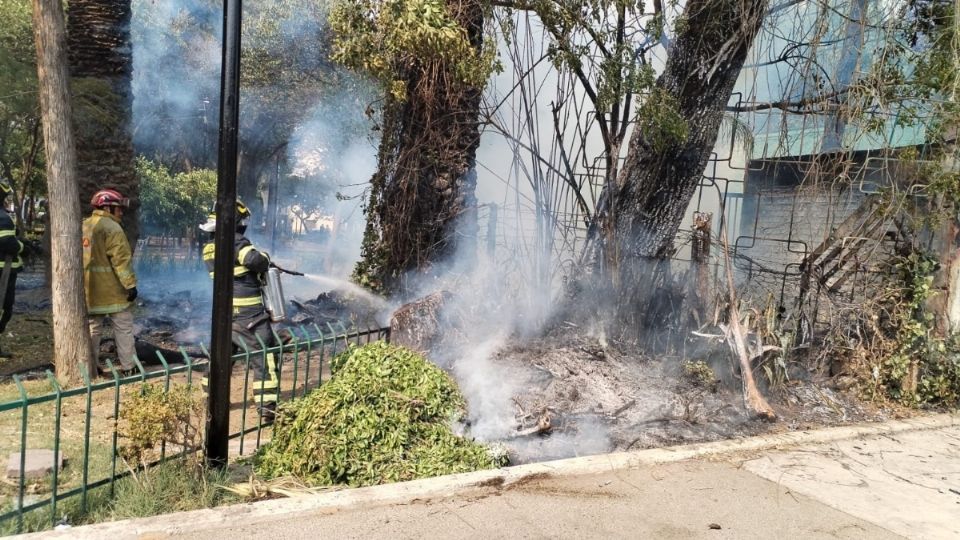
917,74
593,37
914,74
940,373
18,72
281,38
660,120
21,155
385,416
172,203
385,38
918,367
172,487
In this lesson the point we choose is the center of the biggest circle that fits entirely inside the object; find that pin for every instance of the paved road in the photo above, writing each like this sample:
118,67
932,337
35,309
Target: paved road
892,481
680,500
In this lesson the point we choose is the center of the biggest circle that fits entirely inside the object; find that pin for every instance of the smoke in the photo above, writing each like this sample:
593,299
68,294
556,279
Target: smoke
488,389
304,133
331,157
485,312
176,76
534,233
285,72
489,321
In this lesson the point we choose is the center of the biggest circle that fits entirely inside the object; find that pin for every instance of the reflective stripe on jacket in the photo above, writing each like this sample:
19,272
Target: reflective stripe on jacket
10,245
248,267
107,264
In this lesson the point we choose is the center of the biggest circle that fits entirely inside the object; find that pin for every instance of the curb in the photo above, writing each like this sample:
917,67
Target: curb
444,486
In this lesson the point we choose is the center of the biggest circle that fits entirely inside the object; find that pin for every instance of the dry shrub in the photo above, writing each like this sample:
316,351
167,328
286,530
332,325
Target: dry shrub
155,417
891,344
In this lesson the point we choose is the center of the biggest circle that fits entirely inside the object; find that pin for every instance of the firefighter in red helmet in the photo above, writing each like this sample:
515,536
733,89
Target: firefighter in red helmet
108,279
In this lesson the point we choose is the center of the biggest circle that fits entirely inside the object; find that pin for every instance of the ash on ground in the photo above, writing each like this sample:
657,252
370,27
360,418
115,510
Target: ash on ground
168,321
572,396
335,307
171,317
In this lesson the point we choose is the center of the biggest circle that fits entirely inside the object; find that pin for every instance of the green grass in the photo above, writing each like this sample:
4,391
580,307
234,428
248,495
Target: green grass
36,387
169,487
40,435
41,430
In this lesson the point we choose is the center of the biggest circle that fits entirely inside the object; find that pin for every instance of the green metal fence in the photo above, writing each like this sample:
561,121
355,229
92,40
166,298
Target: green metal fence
40,414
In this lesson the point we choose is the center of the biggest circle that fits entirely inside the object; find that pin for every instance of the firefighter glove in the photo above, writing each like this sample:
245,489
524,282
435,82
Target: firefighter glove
131,294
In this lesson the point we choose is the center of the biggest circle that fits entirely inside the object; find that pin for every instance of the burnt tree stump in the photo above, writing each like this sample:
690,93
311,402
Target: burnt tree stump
417,325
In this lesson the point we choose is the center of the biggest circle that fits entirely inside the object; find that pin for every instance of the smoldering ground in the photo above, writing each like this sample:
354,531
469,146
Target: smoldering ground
549,386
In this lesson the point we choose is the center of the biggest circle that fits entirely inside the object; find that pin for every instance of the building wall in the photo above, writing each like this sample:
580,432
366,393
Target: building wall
790,207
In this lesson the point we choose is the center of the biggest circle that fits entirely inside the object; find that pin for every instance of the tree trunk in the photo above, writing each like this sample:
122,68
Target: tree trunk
100,66
71,340
638,217
422,207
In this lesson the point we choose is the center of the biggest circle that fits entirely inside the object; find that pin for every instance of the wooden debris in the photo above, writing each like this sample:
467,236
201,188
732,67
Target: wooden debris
623,408
544,425
736,339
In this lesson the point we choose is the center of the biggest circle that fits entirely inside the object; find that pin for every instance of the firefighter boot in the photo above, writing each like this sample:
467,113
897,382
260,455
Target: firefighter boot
268,413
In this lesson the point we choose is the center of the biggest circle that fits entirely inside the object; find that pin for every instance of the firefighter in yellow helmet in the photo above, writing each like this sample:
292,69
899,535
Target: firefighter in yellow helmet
108,278
10,249
250,317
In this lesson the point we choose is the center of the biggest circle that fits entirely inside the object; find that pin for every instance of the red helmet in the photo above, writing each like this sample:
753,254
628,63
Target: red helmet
108,197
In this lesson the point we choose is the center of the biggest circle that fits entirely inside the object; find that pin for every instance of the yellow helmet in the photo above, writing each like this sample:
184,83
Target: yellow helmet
243,213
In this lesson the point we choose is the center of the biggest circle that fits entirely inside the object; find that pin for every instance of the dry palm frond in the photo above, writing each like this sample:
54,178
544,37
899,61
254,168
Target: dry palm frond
286,486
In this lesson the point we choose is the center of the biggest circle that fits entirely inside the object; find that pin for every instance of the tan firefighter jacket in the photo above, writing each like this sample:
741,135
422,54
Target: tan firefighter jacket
107,264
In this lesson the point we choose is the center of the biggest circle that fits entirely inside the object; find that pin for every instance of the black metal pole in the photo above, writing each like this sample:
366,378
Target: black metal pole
218,410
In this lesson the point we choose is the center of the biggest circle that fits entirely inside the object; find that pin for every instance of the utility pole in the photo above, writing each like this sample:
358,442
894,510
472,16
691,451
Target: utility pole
221,347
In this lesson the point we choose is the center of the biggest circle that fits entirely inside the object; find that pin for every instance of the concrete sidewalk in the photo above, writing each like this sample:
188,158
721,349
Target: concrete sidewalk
891,480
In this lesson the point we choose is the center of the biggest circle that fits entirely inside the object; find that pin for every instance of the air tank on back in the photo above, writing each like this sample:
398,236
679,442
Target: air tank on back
273,295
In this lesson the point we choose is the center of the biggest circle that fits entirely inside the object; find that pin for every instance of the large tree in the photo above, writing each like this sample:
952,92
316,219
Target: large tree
100,66
71,341
430,58
638,216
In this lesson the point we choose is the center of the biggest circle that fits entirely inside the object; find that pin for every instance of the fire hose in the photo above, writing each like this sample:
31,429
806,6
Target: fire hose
285,271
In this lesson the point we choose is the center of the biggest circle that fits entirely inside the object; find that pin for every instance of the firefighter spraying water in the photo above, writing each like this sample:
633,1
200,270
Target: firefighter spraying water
257,303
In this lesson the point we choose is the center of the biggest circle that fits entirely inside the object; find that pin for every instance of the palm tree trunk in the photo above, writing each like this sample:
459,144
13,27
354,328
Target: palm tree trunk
100,66
422,207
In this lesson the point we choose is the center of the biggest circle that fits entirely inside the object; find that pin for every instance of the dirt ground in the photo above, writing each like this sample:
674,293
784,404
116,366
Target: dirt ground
165,319
29,334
